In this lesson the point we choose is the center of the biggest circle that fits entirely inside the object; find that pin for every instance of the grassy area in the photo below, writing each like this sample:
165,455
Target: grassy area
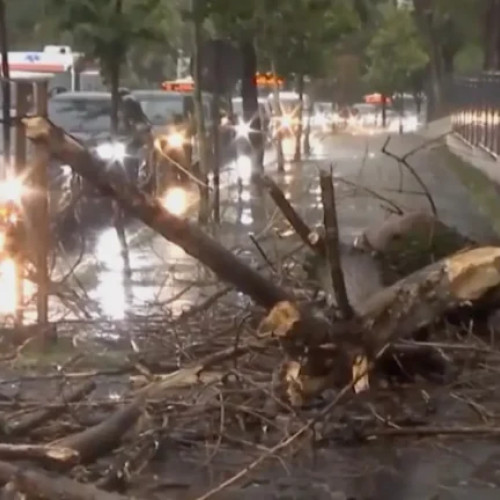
484,192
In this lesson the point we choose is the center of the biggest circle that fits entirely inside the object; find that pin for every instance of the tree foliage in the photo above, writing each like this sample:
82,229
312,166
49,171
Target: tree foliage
396,53
107,30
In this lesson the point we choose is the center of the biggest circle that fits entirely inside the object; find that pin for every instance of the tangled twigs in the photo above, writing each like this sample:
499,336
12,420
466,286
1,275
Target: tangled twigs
285,443
37,484
403,160
29,422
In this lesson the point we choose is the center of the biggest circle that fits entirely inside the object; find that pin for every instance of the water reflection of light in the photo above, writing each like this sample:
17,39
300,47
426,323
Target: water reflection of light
288,178
245,195
110,292
246,217
111,295
108,250
244,167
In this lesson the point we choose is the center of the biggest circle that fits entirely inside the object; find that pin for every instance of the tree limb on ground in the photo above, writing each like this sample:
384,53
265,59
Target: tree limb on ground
37,484
37,418
410,304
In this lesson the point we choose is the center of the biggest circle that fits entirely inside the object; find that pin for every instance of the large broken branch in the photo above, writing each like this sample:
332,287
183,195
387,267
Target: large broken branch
425,296
96,441
150,211
32,420
37,484
332,244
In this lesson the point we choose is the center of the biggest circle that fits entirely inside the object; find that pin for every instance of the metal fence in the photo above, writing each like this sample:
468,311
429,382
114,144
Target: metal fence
475,110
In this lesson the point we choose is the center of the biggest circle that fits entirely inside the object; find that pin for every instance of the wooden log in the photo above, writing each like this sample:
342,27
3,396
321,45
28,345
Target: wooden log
37,484
28,422
38,453
419,300
150,211
102,438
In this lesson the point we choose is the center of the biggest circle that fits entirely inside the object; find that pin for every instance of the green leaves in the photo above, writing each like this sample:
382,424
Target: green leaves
396,52
107,29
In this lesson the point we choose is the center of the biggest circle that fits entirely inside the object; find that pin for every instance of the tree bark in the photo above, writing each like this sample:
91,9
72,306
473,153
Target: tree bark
251,113
384,110
278,138
491,35
201,132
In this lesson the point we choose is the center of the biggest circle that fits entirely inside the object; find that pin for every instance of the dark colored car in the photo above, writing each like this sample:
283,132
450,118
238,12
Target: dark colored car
87,117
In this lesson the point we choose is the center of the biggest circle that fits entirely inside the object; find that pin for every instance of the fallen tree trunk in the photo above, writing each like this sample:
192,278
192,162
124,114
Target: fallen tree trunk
102,438
399,310
419,300
316,329
37,484
37,418
150,211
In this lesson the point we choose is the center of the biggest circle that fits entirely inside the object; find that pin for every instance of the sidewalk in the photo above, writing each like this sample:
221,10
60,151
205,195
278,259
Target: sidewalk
479,172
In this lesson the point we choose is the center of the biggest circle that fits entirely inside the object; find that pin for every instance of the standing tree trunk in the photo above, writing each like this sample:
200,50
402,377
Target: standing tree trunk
5,86
277,120
204,210
300,126
251,113
307,132
491,35
425,20
384,110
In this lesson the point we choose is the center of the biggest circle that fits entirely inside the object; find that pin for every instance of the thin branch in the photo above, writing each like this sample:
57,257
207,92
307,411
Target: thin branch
402,160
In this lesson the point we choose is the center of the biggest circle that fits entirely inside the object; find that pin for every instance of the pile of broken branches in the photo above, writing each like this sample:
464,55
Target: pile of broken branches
278,381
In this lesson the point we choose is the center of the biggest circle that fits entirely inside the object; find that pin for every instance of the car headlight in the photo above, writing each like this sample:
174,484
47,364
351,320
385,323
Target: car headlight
112,151
176,140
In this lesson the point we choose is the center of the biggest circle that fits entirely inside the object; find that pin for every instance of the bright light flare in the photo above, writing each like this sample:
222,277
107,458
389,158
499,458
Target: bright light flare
176,201
112,151
176,140
11,191
243,129
8,288
286,121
